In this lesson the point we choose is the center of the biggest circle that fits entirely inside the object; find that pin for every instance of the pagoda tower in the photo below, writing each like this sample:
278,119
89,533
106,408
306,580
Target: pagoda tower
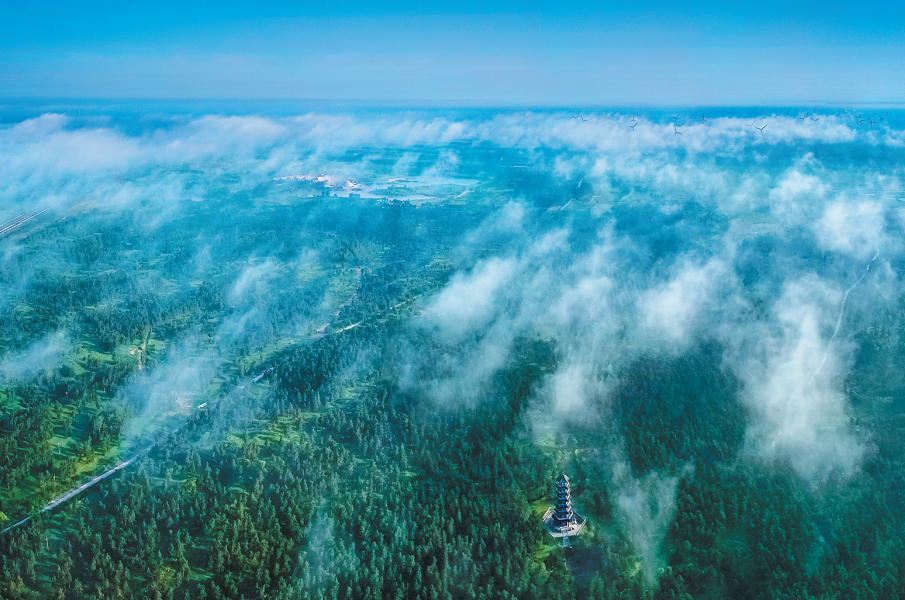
563,515
560,519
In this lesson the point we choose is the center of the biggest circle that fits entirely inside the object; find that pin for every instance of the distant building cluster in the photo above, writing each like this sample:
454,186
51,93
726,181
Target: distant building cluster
329,186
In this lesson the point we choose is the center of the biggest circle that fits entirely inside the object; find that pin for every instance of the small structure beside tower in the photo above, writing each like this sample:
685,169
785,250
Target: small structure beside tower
560,520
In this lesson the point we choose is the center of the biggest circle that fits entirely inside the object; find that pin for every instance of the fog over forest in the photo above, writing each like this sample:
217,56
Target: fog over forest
352,350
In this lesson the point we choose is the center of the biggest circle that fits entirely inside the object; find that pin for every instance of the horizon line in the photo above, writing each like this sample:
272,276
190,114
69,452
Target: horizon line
444,104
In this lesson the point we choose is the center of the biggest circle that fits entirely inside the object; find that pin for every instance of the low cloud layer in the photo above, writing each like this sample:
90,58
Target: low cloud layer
39,356
54,158
793,380
607,238
604,303
646,508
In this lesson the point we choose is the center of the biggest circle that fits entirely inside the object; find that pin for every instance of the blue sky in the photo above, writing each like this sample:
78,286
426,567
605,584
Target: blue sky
484,53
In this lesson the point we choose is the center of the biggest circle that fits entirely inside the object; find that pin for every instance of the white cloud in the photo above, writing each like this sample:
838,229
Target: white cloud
670,309
853,228
250,280
469,301
647,507
799,416
31,360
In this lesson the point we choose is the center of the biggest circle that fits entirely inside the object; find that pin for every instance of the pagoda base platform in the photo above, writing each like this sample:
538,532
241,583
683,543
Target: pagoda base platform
557,532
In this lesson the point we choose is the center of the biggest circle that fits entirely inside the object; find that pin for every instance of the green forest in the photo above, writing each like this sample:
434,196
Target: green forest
304,425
